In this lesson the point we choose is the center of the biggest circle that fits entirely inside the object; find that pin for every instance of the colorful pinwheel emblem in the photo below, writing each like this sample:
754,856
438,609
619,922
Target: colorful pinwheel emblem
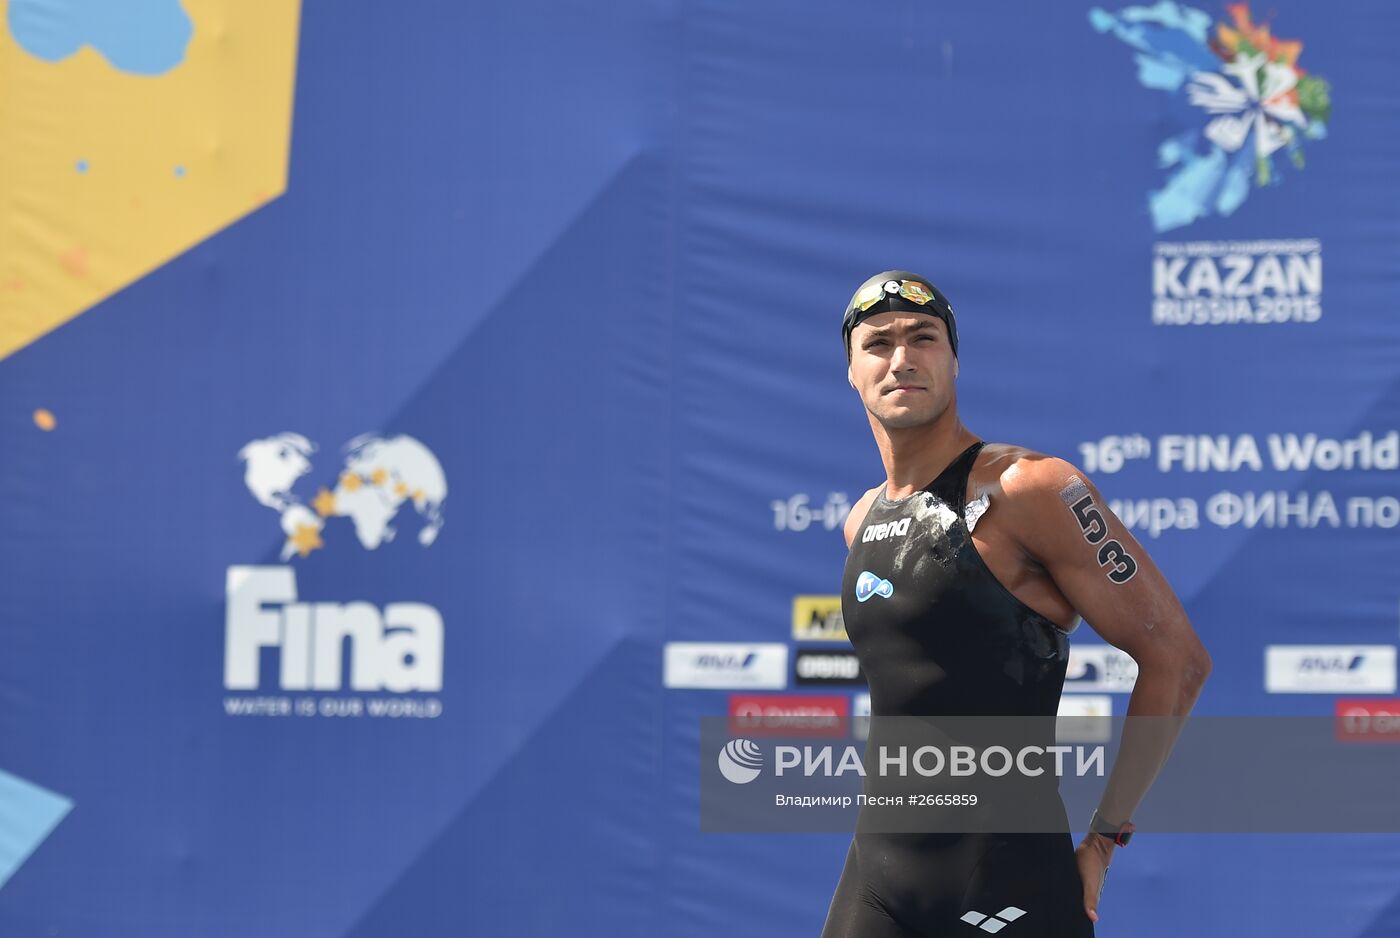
1258,105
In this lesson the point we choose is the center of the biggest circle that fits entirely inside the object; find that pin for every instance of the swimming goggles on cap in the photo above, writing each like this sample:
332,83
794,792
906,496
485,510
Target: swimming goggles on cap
912,290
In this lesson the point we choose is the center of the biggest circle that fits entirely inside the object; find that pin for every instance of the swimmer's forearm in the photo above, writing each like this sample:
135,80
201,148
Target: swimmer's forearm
1164,694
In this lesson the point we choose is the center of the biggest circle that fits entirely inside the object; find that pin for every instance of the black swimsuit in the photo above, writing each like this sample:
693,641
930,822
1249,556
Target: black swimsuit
938,634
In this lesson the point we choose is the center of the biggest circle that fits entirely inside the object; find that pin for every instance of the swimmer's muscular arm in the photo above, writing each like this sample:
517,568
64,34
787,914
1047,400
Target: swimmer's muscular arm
1140,615
1130,604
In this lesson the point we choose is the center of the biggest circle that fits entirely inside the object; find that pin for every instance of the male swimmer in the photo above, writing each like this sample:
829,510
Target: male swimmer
968,568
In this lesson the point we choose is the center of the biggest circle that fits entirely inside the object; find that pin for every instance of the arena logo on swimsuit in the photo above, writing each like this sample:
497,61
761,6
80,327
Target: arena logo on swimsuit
878,532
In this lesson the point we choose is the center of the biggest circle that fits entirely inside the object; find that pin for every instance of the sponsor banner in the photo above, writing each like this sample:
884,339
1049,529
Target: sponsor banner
828,667
1328,669
720,665
860,716
1100,669
1082,719
1368,720
789,714
818,619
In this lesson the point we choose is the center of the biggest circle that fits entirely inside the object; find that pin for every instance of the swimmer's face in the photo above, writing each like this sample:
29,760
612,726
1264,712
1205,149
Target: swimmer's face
903,367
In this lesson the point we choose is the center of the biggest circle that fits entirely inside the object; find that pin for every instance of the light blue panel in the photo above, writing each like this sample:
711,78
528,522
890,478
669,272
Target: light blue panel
28,813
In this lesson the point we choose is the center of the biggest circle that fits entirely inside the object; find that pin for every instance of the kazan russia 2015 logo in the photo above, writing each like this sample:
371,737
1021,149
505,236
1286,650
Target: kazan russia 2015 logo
323,646
1244,111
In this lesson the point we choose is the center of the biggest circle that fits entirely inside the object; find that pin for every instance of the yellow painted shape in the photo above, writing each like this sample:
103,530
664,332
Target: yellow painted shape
68,239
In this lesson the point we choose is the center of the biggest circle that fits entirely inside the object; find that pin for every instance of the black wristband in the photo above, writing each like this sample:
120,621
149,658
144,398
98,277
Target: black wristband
1120,834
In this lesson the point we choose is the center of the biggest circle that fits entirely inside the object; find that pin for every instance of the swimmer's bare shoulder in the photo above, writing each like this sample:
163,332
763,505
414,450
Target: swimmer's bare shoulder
858,513
998,467
1062,523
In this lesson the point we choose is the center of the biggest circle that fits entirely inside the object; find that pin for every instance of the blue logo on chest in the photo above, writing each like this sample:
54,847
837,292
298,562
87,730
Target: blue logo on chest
868,584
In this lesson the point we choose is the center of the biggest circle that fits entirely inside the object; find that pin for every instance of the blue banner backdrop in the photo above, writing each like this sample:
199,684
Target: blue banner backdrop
349,554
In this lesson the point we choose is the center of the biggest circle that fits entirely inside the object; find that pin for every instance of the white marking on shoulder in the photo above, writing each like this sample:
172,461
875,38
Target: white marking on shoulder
975,510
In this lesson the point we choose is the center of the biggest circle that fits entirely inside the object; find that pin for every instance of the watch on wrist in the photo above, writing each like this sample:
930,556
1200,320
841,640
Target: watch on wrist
1120,834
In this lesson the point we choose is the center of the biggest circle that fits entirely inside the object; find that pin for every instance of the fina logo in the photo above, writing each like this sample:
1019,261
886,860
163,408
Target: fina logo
377,478
868,584
398,648
740,761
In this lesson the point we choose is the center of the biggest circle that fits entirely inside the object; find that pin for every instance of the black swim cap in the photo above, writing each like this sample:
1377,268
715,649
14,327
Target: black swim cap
898,290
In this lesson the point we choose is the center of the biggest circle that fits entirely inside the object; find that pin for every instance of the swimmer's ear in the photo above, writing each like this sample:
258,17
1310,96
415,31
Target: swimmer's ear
850,380
955,368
